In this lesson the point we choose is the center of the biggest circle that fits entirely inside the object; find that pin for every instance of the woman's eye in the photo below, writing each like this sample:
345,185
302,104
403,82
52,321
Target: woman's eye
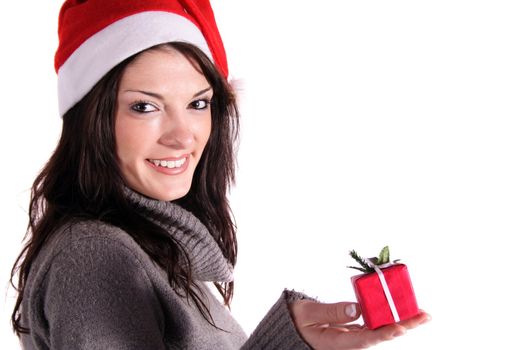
200,104
143,107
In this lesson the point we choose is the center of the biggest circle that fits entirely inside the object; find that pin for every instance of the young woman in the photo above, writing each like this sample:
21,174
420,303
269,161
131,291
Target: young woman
129,218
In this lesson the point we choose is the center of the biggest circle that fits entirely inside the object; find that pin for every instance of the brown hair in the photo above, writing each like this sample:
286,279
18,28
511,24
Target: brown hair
82,180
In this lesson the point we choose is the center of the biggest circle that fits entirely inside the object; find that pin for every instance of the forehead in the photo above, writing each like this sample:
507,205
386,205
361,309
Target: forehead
161,65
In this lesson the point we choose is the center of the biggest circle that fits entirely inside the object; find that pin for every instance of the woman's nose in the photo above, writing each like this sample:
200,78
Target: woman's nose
177,133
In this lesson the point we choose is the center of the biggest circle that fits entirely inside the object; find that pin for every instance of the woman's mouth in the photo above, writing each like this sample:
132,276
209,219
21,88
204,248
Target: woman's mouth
169,164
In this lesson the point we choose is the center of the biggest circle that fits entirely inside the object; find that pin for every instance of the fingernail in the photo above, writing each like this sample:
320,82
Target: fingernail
351,310
399,333
426,319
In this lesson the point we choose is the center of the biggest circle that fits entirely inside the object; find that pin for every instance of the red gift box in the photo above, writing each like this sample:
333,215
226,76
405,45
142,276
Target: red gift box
371,297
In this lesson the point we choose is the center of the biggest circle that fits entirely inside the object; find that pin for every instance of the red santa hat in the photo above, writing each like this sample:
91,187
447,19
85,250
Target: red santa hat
96,35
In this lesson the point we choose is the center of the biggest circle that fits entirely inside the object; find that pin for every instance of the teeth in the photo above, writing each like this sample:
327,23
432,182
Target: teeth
170,164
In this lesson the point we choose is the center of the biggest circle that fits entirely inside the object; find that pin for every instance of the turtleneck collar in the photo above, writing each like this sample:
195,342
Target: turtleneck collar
208,262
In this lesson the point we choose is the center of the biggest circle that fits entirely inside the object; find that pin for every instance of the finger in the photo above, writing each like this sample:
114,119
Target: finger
348,327
359,338
353,327
372,337
317,313
415,321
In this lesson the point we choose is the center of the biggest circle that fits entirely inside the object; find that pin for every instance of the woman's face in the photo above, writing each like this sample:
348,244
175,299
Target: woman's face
163,123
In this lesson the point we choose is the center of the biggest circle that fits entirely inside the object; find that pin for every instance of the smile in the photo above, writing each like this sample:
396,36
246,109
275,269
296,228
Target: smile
170,164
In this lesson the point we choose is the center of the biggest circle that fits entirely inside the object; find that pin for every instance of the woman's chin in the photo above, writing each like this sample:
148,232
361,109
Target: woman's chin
167,194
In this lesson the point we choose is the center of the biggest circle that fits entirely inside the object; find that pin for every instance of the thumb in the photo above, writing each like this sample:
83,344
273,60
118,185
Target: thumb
312,313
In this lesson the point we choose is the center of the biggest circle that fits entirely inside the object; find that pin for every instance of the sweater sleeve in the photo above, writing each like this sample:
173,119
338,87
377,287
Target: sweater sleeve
277,331
96,295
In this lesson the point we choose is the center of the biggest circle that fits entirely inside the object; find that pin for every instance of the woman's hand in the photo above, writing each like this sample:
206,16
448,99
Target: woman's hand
325,326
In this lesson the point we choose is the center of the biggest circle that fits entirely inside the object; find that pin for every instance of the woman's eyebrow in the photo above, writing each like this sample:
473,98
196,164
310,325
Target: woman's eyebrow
202,91
160,97
149,93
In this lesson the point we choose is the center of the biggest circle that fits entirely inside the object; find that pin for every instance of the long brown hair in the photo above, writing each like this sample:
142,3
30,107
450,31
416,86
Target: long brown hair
82,180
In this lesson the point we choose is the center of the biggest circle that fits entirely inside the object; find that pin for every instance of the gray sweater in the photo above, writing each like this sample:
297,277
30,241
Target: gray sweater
93,287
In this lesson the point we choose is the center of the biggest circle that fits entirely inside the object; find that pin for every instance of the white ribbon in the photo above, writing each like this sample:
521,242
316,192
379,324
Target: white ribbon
386,290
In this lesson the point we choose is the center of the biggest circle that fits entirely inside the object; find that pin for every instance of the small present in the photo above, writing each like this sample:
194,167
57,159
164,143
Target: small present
384,291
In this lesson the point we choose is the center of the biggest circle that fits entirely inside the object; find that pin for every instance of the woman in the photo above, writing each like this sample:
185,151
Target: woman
129,218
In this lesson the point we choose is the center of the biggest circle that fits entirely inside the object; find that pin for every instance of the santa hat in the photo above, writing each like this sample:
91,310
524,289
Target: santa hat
96,35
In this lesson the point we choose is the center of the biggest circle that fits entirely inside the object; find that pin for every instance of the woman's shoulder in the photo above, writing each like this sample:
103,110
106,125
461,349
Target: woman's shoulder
89,275
87,235
80,231
89,245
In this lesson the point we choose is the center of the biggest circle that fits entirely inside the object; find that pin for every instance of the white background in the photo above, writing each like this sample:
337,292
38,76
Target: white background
365,123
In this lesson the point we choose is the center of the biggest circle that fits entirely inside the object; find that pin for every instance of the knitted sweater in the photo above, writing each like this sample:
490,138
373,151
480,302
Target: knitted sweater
93,287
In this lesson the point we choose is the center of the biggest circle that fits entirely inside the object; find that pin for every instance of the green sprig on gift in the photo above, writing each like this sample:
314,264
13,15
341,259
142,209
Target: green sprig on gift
382,258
